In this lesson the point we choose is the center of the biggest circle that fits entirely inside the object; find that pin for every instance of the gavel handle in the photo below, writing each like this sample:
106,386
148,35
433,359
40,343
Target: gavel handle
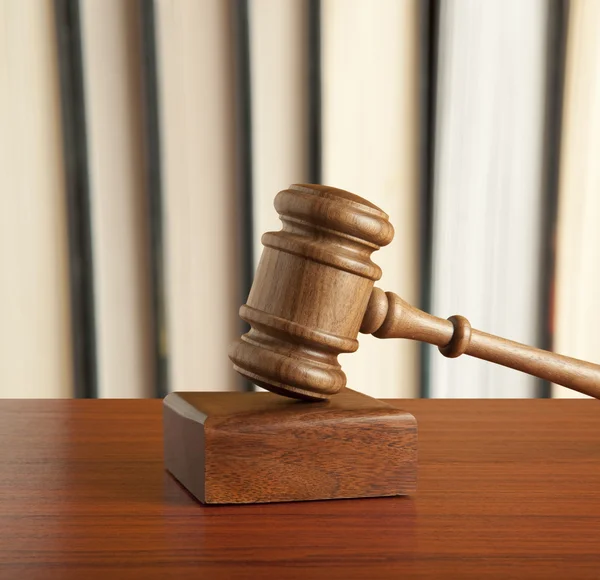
388,316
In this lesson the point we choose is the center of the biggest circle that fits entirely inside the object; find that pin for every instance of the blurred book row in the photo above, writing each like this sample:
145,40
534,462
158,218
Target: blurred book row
142,144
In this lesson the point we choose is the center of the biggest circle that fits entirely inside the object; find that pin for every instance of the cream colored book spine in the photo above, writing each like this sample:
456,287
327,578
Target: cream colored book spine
278,53
370,112
199,191
35,335
577,283
112,73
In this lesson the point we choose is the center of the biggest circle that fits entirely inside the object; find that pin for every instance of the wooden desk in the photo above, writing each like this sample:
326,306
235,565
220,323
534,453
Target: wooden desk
507,489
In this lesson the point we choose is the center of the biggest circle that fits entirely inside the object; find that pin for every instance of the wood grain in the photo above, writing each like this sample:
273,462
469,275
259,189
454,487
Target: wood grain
313,291
310,291
260,447
507,489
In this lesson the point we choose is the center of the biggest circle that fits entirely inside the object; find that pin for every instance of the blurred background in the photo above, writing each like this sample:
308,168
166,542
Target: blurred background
142,143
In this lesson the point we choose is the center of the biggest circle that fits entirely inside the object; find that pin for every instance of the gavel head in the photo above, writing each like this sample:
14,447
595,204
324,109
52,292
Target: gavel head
310,291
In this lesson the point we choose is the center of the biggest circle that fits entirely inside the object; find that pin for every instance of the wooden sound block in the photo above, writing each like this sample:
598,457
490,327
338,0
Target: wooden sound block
260,447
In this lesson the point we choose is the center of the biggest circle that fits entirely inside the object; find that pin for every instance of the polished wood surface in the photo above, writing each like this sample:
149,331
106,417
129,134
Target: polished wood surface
260,447
313,291
507,489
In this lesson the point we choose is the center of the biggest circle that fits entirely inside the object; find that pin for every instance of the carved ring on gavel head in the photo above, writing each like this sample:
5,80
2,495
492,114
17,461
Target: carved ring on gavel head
314,291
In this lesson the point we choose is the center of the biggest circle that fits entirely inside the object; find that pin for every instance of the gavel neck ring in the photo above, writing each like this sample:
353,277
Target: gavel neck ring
389,316
461,337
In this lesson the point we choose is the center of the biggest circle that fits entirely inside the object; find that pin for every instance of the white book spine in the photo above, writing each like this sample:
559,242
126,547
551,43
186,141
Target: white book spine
488,184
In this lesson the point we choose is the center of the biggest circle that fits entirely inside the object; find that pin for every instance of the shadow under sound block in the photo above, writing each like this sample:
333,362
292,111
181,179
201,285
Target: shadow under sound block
260,447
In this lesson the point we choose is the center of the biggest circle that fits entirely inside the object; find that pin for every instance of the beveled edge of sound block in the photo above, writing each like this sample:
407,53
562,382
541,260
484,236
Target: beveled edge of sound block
229,447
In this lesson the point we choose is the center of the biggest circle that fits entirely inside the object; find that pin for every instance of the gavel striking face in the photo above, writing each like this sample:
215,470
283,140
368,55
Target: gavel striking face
314,291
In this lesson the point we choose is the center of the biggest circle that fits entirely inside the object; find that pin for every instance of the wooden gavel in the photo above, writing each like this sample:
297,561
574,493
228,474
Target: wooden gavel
313,292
